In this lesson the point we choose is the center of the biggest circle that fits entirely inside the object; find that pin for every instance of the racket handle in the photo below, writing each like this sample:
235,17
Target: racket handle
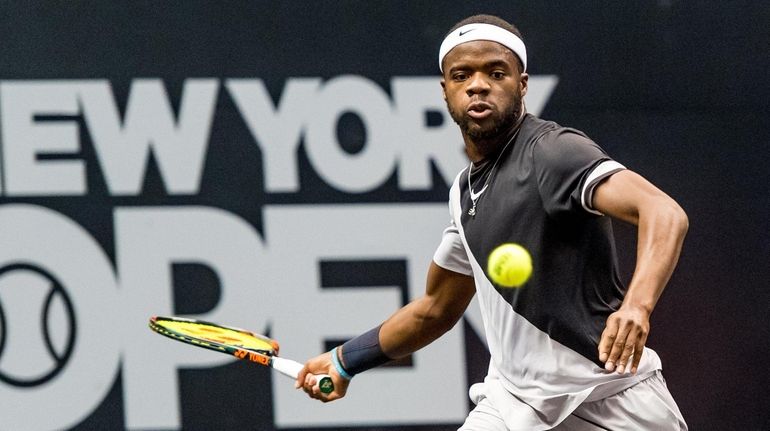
290,368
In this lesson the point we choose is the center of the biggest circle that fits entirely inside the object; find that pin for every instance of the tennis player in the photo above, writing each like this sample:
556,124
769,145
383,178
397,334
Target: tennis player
568,348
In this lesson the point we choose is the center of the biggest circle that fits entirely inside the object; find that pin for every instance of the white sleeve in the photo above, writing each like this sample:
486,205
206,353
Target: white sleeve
601,172
450,254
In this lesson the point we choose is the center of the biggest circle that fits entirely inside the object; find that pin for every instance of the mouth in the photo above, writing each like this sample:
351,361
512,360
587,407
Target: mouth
479,110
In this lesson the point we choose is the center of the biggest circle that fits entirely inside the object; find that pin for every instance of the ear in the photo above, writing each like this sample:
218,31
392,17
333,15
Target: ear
523,82
443,88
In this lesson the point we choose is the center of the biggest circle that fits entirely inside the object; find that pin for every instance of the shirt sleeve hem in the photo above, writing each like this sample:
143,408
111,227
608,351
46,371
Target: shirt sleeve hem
601,172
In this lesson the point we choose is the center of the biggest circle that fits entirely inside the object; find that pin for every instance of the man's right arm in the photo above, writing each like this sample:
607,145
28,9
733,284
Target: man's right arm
411,328
422,321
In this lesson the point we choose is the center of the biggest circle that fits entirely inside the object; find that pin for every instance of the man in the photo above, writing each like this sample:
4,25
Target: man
567,348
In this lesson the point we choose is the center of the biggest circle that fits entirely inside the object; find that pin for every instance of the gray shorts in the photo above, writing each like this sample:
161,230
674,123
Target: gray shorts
647,405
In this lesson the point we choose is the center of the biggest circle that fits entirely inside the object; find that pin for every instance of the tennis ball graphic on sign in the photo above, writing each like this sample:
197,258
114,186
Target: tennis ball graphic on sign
37,326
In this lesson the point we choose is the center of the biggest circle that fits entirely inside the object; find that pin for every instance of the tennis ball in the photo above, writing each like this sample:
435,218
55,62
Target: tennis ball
509,265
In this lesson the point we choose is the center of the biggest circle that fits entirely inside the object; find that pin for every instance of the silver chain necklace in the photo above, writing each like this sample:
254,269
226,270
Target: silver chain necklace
475,196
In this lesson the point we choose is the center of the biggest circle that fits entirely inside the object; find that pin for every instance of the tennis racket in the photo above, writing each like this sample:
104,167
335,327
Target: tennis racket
233,341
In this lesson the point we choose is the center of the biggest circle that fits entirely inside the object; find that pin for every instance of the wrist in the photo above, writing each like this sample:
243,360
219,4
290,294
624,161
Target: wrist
363,352
641,307
338,364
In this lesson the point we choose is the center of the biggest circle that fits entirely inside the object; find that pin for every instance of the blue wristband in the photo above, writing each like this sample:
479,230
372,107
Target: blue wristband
364,352
338,365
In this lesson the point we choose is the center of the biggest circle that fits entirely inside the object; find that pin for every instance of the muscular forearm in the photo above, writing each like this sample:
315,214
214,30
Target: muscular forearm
414,327
661,223
423,320
661,231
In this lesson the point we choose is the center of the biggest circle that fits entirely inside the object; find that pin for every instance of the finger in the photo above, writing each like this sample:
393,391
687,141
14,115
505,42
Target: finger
617,348
307,385
300,377
304,384
638,351
607,340
315,392
627,351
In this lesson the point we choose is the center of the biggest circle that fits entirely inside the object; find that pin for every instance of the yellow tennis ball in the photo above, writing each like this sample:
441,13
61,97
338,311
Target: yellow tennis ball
509,265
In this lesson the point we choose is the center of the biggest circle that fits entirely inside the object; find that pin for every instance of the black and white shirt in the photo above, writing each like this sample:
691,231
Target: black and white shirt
543,337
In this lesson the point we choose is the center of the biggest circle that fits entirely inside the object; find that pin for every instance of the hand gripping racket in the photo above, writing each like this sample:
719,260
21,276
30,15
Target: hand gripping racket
233,341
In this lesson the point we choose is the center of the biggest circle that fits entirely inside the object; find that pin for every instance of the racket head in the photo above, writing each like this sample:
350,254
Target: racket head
213,336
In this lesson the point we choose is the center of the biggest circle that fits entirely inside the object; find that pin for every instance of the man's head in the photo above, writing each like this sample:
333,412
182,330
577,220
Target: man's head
483,61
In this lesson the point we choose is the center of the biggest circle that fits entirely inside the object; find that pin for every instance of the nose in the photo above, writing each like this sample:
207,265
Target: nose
477,84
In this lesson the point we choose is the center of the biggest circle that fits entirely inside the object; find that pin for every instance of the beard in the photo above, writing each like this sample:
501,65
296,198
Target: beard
502,122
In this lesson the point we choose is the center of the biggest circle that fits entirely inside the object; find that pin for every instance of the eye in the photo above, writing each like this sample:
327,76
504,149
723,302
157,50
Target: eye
459,76
498,74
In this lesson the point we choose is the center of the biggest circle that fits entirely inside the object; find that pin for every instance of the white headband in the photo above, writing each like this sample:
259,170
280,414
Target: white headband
471,32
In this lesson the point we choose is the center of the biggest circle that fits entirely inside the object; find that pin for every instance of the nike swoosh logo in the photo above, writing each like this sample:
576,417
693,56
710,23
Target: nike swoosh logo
466,32
474,196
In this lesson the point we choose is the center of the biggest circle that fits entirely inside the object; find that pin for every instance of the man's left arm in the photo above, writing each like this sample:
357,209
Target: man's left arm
662,225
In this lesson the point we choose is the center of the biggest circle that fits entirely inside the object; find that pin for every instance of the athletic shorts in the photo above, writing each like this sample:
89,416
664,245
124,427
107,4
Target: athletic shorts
647,405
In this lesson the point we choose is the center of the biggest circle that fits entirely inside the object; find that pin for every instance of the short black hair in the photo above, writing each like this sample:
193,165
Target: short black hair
487,19
493,20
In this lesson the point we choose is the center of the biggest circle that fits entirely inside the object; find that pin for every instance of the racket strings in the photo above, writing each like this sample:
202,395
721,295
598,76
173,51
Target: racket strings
222,335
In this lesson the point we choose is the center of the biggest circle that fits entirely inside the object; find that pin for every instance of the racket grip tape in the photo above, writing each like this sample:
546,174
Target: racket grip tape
291,369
